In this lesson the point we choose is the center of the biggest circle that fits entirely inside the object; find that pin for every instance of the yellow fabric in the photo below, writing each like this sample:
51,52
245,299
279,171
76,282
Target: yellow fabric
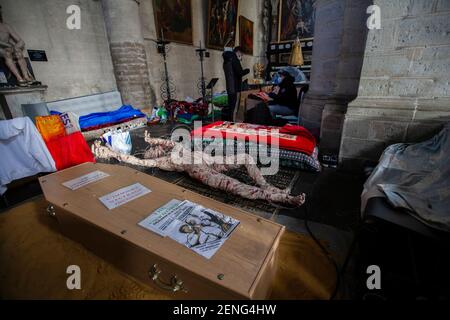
50,127
34,257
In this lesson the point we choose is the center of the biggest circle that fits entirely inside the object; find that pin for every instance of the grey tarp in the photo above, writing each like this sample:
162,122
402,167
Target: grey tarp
415,177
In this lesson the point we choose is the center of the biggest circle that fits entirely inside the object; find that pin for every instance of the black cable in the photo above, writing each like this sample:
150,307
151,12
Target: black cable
326,253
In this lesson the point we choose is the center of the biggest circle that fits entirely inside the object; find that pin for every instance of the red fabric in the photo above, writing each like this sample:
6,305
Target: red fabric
196,108
298,131
70,151
295,138
260,95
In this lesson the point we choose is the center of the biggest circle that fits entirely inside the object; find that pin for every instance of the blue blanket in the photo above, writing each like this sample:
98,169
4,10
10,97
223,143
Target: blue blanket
101,119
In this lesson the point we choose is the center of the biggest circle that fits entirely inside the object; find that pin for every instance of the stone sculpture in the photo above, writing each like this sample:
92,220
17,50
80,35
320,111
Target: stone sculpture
11,49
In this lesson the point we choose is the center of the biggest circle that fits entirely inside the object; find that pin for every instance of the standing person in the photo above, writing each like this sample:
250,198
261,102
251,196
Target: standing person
233,77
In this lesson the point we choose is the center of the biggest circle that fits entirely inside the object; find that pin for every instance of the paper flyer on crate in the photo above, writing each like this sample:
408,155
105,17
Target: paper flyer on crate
160,220
200,229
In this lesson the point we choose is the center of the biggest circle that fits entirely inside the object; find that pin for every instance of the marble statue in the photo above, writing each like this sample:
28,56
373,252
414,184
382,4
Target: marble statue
11,49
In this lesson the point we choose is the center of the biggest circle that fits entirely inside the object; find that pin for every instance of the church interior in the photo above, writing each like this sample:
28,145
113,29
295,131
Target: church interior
225,150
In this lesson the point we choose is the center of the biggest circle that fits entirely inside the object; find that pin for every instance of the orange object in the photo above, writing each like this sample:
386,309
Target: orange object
50,127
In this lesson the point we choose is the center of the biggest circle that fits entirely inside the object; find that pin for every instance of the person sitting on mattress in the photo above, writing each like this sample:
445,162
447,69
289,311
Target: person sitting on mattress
284,97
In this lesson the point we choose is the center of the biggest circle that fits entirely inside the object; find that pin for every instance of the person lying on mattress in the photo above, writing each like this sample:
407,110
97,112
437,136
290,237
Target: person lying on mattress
284,97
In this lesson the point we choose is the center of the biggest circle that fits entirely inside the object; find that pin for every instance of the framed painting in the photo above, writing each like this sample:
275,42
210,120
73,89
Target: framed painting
222,21
296,19
173,18
246,35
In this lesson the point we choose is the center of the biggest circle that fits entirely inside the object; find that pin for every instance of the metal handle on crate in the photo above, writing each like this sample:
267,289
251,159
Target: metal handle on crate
175,284
51,211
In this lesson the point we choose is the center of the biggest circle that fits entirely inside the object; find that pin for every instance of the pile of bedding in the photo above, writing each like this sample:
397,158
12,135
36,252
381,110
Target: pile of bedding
297,147
95,121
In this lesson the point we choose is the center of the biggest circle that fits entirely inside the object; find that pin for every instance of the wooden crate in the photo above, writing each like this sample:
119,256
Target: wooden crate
243,268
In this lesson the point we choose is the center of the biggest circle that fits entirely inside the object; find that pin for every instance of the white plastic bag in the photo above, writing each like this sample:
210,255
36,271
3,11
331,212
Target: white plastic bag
71,122
119,141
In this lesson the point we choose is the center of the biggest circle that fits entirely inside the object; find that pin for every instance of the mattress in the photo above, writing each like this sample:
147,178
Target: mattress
289,137
296,147
288,158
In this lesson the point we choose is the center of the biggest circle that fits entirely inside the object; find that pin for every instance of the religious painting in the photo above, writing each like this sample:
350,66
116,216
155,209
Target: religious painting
296,19
246,35
173,19
222,21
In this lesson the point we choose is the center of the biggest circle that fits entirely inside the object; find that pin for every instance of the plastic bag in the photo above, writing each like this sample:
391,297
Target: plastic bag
119,141
162,114
70,150
70,121
50,127
159,115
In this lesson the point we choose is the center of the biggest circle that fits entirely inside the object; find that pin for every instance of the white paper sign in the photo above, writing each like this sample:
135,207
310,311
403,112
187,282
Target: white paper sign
124,195
85,180
160,220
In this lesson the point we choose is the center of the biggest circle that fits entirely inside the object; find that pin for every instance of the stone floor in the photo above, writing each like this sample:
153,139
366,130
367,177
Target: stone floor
332,208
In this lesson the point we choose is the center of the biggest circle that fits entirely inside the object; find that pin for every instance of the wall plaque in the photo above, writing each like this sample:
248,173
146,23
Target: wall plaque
37,55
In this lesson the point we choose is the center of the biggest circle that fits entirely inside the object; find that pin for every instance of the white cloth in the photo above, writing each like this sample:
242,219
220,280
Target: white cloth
415,177
23,152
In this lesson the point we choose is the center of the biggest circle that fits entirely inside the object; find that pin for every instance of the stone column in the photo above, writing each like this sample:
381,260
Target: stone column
339,40
127,51
404,93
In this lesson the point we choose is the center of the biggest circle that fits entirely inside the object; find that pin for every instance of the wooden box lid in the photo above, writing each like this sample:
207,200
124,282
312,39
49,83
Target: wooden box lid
241,259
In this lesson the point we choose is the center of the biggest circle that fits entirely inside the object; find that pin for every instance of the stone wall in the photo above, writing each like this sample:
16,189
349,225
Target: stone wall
339,42
404,92
126,42
85,61
130,66
183,63
79,61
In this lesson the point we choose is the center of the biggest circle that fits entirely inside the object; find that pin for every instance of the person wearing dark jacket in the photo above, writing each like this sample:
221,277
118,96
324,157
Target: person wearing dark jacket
284,98
233,76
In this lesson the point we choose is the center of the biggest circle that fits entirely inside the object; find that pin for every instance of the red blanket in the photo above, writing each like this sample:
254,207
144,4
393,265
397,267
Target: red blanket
290,137
69,151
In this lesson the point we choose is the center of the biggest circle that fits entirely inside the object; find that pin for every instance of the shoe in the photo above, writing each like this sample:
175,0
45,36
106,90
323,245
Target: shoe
22,83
